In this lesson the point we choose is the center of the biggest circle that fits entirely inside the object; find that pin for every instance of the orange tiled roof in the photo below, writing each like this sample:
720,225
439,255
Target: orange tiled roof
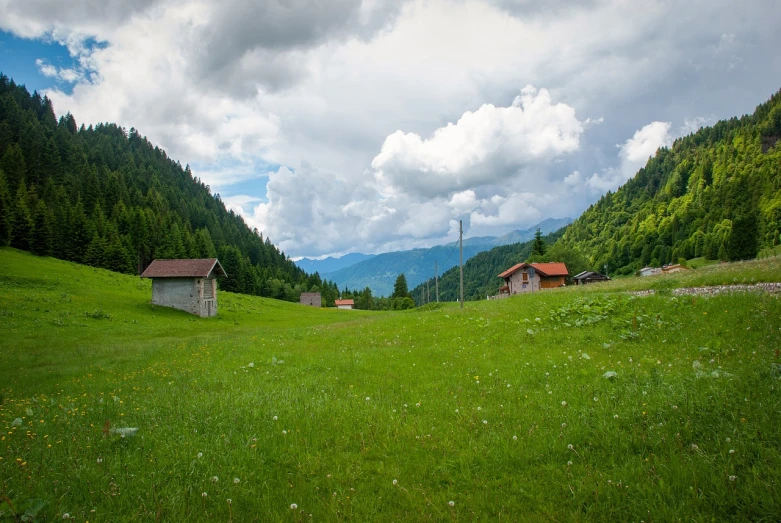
344,302
546,269
551,269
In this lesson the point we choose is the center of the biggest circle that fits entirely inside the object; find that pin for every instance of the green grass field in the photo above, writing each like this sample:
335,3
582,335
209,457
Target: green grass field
278,412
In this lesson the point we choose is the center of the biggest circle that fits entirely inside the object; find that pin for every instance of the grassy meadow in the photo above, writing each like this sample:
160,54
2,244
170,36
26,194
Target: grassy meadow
580,404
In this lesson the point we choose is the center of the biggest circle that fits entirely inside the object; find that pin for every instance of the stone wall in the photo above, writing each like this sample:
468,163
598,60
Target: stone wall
179,293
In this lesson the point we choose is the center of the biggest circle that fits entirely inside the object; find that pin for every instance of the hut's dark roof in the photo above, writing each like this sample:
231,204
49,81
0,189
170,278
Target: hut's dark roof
197,268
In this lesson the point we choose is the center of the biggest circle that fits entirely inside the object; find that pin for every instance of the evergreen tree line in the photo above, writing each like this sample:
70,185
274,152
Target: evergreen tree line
105,197
399,300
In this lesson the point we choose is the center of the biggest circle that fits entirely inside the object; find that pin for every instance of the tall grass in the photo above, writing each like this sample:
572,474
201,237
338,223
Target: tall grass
502,409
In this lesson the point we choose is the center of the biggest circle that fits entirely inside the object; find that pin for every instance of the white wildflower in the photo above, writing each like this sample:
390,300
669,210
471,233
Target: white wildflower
236,481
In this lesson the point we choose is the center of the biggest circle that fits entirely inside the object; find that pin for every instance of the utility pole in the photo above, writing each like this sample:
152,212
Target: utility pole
461,257
428,293
436,279
606,269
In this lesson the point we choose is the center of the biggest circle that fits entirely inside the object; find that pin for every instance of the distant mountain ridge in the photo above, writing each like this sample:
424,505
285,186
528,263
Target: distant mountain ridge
331,264
379,272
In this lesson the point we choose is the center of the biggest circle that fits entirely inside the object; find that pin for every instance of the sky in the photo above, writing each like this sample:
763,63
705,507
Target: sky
371,126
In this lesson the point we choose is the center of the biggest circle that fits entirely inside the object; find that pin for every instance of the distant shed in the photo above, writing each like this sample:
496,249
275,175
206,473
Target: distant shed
312,299
589,277
188,285
344,304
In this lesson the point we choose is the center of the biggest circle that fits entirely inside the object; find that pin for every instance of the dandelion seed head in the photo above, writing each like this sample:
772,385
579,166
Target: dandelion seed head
236,481
66,516
215,479
569,463
570,446
731,451
515,438
451,503
293,506
395,482
274,418
563,403
732,478
200,454
564,425
368,398
485,422
230,501
203,495
284,432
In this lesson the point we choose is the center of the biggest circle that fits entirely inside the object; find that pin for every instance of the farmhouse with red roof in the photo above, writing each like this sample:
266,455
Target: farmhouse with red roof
531,277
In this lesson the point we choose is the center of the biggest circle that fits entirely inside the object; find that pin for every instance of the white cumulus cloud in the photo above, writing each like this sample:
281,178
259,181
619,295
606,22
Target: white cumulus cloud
482,147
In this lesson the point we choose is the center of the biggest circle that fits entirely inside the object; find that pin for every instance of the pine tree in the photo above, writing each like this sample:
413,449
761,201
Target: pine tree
5,212
742,242
21,222
538,246
400,289
41,238
12,163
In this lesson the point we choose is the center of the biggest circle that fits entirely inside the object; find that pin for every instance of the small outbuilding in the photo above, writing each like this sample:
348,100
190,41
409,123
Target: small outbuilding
188,285
650,271
589,277
311,299
344,304
672,269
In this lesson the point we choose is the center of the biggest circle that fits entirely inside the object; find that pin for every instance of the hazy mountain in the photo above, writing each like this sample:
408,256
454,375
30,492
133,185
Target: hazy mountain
546,227
331,264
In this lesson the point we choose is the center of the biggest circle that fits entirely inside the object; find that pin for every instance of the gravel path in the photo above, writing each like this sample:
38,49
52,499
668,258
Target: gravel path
714,290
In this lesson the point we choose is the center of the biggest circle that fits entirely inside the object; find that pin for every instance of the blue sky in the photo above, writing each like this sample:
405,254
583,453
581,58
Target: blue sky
18,56
376,125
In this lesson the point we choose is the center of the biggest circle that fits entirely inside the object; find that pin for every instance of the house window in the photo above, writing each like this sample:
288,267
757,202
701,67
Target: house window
525,277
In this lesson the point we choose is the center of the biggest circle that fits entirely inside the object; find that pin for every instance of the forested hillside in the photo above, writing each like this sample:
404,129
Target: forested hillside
107,197
715,193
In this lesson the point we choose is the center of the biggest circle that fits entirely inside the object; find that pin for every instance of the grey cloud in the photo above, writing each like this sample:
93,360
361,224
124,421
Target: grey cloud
33,18
249,43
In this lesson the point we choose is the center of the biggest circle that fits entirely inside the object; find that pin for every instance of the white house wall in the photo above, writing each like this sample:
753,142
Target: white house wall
516,283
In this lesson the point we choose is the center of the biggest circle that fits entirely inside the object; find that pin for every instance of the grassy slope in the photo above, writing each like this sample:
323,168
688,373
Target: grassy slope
456,405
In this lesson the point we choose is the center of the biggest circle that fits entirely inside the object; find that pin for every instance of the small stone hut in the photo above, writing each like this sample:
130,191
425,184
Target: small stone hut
188,285
312,299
